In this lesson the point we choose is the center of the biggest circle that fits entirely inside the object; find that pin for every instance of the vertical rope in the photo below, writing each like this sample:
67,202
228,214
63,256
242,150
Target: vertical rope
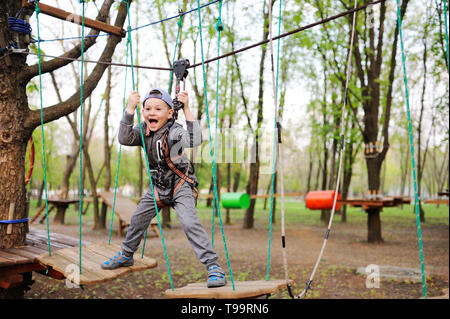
179,23
219,28
213,164
120,151
37,10
146,156
413,162
276,137
341,156
80,206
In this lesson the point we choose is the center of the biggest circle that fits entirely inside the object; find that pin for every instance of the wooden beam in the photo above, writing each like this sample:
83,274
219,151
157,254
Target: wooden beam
75,18
12,208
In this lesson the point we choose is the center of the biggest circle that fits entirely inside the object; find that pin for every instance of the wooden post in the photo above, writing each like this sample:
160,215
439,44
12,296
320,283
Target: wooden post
75,18
12,207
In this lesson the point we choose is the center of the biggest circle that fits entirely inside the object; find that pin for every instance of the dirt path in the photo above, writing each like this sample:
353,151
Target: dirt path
336,277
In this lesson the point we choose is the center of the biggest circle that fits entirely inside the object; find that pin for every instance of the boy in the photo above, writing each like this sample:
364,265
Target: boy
172,175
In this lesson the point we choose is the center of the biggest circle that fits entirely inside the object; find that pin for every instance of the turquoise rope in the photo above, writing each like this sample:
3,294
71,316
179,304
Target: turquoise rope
446,31
413,162
146,157
80,206
213,164
219,28
120,152
179,23
37,10
275,133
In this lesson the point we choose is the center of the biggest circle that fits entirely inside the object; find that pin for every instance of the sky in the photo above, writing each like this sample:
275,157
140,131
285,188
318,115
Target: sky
152,53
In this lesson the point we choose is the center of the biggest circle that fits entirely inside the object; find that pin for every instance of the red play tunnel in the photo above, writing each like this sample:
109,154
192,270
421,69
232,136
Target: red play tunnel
322,200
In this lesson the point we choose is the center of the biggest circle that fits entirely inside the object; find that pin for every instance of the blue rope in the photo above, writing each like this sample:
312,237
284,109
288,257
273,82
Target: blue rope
19,25
14,221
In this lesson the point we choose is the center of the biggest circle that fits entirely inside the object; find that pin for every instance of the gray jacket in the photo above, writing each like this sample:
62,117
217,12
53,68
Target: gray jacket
178,139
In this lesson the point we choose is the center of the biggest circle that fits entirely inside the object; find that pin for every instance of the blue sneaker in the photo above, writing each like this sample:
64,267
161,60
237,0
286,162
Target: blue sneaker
118,261
216,277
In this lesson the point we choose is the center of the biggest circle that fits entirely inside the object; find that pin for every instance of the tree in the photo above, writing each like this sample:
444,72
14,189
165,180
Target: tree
369,53
17,120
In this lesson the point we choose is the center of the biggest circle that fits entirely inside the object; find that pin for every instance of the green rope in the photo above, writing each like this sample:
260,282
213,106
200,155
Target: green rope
411,142
179,23
146,156
37,10
80,206
446,31
213,164
275,135
219,28
120,152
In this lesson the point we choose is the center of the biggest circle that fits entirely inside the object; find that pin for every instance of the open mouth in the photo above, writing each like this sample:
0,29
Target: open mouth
153,121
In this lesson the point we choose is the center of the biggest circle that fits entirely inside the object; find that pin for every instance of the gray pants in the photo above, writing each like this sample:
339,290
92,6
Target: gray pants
187,214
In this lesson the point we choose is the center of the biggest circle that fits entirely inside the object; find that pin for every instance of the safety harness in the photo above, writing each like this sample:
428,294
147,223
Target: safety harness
184,177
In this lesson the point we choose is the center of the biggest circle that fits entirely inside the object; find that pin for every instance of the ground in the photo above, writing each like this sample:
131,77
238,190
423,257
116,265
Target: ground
336,276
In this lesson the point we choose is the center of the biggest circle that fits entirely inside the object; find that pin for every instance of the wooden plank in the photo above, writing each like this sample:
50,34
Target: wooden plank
90,270
6,262
12,208
75,18
124,207
109,251
16,259
19,269
55,238
243,289
68,265
293,194
437,201
21,251
92,258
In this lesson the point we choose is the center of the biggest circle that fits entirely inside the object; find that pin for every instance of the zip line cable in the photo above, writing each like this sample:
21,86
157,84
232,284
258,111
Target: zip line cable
309,26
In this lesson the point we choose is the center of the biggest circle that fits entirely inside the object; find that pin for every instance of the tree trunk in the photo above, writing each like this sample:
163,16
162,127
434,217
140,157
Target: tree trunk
252,187
17,120
374,226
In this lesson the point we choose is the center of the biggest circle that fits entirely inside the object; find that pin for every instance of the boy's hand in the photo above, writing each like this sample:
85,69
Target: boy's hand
183,97
133,101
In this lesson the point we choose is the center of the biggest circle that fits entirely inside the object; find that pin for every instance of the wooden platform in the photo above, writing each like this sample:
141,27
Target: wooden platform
124,209
66,261
35,245
376,203
243,289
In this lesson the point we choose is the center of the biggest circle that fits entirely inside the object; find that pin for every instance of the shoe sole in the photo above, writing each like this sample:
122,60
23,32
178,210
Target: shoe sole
216,284
117,266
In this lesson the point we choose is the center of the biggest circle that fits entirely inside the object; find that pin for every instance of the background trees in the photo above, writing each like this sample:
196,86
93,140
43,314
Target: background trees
312,74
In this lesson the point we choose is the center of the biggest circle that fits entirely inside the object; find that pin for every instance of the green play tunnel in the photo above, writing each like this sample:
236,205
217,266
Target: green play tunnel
236,200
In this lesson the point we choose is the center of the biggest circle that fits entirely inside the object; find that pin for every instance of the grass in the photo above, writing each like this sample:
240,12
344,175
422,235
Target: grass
295,214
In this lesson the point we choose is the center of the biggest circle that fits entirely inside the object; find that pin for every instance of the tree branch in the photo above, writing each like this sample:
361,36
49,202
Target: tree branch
56,63
56,111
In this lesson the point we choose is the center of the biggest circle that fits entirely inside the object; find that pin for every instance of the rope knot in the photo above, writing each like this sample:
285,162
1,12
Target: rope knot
219,25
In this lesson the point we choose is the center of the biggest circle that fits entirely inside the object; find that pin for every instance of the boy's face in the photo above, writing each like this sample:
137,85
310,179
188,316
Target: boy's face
156,112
